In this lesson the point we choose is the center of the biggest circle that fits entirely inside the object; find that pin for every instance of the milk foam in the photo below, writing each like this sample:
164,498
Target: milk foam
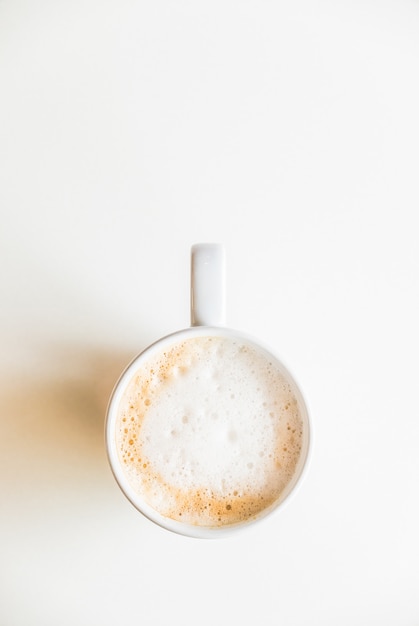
209,431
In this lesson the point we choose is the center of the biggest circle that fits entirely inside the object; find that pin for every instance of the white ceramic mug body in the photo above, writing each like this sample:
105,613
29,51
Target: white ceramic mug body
207,305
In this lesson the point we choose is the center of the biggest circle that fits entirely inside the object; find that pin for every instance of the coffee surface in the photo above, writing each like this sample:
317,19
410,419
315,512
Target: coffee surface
209,431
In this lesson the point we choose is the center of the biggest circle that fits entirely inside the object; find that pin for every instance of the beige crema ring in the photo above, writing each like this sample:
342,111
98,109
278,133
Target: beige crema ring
209,430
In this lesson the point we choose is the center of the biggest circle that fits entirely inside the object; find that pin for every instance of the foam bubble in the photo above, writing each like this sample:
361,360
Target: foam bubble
209,431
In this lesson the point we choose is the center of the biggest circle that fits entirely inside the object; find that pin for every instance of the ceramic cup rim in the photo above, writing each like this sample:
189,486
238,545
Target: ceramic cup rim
175,526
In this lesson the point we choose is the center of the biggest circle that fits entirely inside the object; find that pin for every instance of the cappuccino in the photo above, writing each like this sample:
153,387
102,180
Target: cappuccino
209,430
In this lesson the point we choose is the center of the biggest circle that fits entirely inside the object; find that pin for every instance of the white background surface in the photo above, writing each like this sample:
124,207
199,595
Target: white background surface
289,131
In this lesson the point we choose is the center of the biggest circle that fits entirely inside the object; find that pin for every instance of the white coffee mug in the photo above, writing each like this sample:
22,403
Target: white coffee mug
206,430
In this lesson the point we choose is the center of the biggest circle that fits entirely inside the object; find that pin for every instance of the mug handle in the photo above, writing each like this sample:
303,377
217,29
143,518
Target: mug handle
208,284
